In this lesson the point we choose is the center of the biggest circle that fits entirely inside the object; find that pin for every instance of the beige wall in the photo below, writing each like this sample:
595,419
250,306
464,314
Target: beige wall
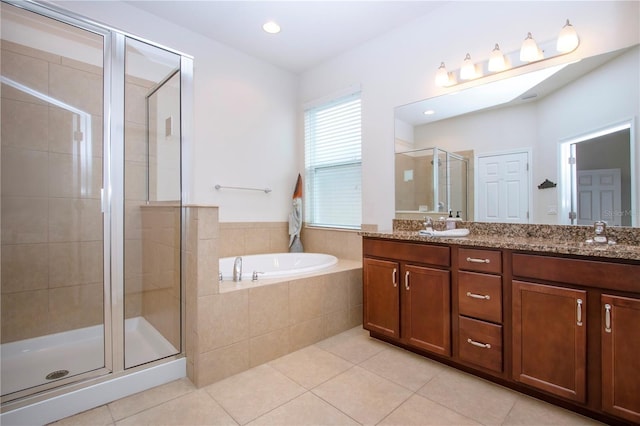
52,246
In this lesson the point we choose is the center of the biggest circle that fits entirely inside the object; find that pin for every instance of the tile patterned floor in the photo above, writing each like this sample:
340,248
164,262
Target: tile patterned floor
348,379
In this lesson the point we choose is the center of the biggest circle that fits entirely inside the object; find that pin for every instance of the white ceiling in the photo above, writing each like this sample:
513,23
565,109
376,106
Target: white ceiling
312,31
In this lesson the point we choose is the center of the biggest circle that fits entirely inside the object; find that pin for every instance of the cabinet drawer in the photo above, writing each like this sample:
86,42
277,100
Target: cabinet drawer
407,252
480,343
591,273
480,260
480,296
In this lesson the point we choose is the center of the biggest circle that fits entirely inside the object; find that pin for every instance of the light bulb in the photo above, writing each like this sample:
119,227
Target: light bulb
442,76
529,52
468,69
567,39
496,60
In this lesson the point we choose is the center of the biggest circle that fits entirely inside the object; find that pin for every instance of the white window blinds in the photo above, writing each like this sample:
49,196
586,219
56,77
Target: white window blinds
333,164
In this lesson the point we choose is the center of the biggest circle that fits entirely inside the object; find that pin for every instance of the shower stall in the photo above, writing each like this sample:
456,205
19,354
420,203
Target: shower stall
91,205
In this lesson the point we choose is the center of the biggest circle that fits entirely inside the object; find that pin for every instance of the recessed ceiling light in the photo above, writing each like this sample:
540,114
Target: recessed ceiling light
429,112
271,27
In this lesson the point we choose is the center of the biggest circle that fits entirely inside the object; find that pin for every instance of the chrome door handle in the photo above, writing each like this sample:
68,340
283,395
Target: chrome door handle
395,277
479,344
475,260
579,312
607,318
406,280
478,296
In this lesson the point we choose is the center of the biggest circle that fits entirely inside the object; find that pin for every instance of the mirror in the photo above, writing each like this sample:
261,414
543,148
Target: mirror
533,116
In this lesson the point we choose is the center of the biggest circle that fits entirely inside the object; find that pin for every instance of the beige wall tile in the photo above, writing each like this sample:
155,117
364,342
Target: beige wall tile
207,267
354,278
337,322
222,363
135,185
74,220
306,298
74,176
24,220
61,133
134,98
30,71
162,310
76,307
24,125
268,308
79,88
24,172
336,294
24,315
75,263
256,241
306,333
223,319
355,316
268,346
25,267
208,227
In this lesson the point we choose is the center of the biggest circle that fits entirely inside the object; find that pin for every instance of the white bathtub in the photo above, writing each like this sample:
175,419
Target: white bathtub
277,265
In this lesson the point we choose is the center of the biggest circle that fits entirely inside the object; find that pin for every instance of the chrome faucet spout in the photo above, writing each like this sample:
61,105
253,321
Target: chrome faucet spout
237,269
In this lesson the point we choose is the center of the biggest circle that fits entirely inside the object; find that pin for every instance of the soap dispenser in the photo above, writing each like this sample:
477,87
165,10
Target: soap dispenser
451,221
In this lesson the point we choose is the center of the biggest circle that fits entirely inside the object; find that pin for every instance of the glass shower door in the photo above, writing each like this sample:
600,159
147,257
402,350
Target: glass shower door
152,204
52,244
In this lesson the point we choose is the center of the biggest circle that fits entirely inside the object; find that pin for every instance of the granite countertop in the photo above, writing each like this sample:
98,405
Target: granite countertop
535,238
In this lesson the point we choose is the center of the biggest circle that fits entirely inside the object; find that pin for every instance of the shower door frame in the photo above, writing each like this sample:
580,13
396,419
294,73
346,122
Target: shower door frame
112,203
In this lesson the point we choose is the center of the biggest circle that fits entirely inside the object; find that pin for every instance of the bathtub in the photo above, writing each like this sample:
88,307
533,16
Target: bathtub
277,265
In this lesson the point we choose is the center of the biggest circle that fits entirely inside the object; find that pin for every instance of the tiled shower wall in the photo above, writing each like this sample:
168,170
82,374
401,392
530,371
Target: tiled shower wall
51,227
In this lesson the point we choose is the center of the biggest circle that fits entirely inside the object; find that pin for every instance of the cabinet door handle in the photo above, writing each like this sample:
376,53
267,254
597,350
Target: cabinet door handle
478,296
406,280
607,318
395,277
579,312
479,344
475,260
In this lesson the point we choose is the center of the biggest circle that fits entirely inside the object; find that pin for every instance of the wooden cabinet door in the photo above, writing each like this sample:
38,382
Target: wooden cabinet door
381,297
549,339
426,308
621,357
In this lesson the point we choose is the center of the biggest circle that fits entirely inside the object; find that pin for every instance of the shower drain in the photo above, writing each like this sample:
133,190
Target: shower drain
58,374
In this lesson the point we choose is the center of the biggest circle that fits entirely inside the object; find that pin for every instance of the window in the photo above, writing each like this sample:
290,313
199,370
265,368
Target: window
333,163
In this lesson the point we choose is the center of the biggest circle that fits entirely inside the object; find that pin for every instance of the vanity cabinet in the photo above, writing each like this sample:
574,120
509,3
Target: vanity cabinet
550,339
621,356
406,292
563,328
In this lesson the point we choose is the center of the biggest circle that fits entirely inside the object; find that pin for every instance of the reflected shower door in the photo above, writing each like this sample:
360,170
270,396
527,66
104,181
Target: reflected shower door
152,223
52,245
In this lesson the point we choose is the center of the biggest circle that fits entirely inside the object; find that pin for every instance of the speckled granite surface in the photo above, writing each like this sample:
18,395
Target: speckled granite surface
560,239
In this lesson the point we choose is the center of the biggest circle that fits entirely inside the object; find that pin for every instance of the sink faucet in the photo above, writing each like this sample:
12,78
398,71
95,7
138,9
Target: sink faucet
237,269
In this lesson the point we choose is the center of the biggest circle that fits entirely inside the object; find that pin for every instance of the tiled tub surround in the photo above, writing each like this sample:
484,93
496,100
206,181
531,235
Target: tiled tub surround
560,239
232,327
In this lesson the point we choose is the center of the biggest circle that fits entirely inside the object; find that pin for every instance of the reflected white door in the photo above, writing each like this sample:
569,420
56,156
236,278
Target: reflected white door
599,196
503,188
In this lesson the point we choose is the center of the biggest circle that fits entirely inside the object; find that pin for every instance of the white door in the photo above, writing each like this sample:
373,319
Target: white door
503,188
599,196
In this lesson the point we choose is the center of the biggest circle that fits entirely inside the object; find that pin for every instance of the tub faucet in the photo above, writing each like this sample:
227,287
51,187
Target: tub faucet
237,269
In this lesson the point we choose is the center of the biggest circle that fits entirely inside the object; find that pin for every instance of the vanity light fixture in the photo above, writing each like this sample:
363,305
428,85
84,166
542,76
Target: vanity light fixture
271,27
567,39
468,69
496,60
530,52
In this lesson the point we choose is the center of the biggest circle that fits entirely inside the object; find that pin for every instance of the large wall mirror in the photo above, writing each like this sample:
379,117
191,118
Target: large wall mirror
554,146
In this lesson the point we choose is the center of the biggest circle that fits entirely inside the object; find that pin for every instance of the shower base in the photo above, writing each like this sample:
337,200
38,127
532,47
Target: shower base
27,363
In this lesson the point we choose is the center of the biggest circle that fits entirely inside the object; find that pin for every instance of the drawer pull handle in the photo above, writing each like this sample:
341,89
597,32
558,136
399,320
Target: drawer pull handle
607,318
478,296
475,260
395,277
478,344
406,280
579,312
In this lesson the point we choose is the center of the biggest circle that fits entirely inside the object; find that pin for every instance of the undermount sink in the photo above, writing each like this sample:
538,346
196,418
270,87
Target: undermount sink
450,233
